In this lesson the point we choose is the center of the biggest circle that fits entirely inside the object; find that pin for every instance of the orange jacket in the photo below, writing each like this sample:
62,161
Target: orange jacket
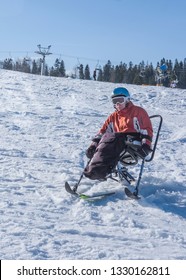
131,119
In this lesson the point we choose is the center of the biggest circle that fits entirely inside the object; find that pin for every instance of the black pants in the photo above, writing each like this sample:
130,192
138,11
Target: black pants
106,155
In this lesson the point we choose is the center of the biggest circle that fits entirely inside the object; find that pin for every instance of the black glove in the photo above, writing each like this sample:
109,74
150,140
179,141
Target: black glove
91,150
144,151
97,138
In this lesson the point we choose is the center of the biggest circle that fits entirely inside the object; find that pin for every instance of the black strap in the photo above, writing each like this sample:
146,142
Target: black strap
146,137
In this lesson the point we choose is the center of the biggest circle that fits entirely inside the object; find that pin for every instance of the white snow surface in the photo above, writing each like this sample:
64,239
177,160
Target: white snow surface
46,124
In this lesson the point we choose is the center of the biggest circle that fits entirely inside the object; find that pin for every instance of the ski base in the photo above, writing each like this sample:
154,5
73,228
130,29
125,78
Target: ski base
85,196
131,195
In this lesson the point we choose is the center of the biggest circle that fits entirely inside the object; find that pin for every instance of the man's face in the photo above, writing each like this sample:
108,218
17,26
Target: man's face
120,106
119,102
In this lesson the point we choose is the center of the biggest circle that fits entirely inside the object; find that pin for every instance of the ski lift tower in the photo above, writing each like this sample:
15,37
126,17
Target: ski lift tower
43,51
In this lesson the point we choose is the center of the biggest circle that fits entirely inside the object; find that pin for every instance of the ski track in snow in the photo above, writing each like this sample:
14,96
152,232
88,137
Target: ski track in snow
46,124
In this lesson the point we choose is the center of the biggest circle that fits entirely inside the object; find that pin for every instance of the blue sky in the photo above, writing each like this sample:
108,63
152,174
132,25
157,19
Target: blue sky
91,32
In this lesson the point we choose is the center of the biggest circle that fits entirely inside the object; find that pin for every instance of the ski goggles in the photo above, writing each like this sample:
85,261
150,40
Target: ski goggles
118,99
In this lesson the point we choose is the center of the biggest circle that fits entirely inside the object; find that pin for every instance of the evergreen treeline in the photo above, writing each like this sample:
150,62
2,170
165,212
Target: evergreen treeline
173,75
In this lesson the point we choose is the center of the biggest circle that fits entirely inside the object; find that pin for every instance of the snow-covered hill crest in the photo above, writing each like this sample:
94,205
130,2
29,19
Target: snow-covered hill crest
46,124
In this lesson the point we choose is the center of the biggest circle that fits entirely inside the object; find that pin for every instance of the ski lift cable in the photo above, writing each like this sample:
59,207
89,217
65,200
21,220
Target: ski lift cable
97,64
72,56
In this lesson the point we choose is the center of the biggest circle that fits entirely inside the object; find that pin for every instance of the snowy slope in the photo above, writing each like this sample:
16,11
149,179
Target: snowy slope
46,124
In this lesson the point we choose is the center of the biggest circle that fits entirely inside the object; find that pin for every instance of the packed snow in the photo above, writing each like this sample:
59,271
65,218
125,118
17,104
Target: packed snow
46,124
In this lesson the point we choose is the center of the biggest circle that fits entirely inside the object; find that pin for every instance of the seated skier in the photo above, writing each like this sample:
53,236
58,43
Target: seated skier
128,125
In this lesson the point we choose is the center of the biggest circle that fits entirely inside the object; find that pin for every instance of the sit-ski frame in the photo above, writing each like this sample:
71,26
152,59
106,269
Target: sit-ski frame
121,171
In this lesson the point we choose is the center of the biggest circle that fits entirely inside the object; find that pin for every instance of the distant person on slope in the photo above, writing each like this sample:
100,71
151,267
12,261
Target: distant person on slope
94,75
128,124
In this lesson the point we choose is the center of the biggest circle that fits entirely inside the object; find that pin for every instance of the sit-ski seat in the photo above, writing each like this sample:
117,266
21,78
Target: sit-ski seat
130,155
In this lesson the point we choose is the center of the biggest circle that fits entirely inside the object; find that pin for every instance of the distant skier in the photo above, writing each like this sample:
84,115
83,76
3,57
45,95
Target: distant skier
128,124
94,75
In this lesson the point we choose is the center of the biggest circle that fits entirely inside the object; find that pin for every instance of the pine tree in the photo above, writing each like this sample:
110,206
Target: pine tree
25,67
34,67
81,74
62,70
107,72
8,64
52,71
100,75
150,75
117,74
55,71
39,65
120,73
182,76
138,80
87,73
130,73
18,66
46,71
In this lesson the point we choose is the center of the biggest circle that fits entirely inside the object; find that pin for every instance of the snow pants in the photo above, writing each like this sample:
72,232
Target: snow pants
106,156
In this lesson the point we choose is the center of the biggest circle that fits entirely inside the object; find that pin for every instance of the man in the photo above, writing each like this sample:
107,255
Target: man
129,123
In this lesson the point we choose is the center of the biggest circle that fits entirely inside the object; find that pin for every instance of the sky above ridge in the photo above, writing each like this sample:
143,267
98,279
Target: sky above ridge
93,32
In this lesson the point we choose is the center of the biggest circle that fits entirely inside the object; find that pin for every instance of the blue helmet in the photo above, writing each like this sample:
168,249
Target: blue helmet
121,91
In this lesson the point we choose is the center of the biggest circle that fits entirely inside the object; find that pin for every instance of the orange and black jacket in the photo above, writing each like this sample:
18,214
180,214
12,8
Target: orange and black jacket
132,120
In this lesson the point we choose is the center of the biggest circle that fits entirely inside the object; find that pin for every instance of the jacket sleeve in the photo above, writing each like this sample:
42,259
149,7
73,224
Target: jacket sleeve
107,126
145,127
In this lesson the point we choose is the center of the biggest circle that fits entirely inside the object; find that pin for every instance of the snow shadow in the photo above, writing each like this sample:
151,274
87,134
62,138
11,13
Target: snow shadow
168,196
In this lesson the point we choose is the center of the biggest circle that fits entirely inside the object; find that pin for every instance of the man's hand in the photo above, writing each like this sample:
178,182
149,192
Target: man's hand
91,150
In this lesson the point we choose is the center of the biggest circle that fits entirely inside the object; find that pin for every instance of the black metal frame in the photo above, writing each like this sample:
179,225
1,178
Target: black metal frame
131,155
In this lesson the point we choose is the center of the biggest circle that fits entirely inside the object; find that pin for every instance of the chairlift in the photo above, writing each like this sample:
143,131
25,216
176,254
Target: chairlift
77,68
98,66
27,58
